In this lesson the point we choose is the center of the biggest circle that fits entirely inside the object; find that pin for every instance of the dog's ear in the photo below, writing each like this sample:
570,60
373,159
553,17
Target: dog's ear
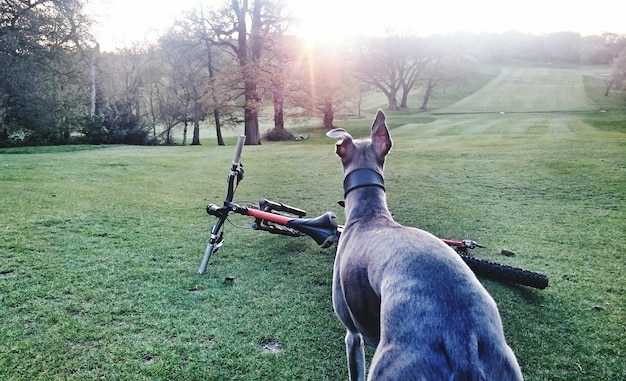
345,145
381,140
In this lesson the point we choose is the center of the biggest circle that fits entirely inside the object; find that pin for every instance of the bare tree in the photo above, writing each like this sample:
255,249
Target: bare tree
214,98
223,88
391,65
188,76
169,109
281,65
245,28
124,77
448,70
326,84
617,79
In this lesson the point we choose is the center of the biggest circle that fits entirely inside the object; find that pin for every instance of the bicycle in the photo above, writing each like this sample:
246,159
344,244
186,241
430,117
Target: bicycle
325,230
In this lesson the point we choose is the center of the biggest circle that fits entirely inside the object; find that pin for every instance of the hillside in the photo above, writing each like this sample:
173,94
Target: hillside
524,89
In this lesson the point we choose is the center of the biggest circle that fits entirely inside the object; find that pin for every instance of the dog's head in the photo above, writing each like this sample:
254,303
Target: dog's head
363,153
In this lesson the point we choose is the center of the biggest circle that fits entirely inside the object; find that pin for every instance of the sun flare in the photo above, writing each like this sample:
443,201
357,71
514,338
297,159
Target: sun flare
330,21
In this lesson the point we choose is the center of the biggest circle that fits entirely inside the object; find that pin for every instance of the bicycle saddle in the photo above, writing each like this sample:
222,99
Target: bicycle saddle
322,229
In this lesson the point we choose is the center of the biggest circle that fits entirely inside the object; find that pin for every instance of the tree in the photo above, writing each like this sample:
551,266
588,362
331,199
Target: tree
563,46
325,84
412,65
281,66
391,65
121,118
450,70
42,70
223,82
164,103
617,79
188,77
594,51
245,29
168,109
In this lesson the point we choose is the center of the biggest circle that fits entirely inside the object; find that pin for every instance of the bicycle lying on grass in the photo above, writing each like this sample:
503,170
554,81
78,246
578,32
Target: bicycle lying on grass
278,218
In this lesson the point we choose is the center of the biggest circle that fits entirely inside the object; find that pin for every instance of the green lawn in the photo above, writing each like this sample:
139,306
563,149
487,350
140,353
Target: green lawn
528,89
99,247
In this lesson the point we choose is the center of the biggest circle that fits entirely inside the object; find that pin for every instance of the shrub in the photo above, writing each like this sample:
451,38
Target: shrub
278,135
118,125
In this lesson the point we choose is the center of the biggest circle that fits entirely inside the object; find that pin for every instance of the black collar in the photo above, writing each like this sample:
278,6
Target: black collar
360,178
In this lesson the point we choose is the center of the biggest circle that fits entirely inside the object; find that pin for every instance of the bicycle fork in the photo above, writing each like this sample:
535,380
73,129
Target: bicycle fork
215,242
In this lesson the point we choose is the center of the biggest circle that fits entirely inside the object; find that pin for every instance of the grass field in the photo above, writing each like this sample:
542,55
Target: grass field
528,89
100,245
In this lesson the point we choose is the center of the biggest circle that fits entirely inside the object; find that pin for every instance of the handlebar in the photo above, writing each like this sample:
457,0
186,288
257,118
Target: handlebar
215,210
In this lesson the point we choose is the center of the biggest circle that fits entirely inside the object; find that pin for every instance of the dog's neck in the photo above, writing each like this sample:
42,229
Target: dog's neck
362,177
364,193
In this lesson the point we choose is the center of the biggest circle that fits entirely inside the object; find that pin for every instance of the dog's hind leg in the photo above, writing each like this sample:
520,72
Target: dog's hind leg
356,356
355,350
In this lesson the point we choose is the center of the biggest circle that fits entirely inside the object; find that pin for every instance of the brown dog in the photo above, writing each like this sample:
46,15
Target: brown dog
404,291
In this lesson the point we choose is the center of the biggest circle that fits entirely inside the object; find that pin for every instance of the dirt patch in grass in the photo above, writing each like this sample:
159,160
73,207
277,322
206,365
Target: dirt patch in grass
270,345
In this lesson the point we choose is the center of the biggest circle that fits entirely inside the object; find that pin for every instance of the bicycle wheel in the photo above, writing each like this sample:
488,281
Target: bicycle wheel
504,273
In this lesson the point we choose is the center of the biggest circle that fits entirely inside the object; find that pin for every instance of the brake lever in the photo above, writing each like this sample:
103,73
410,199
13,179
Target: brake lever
240,173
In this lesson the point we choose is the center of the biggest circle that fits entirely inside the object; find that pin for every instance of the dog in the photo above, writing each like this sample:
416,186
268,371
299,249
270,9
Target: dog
405,292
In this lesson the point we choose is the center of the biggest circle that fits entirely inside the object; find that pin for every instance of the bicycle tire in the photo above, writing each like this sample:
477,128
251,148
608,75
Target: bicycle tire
505,273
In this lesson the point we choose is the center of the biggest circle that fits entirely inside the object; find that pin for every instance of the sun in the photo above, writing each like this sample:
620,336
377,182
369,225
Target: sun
310,42
313,35
324,22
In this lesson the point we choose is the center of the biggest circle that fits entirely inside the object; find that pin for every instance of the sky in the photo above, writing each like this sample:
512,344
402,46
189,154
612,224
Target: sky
121,23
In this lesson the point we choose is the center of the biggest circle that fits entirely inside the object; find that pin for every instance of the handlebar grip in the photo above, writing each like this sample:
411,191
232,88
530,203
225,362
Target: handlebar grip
240,141
213,209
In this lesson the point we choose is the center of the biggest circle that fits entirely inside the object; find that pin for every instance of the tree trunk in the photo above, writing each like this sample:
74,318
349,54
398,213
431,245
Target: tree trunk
4,136
329,115
197,114
393,103
279,112
405,97
392,97
153,116
218,127
427,94
251,102
251,126
168,133
185,133
195,141
92,100
425,100
251,113
216,111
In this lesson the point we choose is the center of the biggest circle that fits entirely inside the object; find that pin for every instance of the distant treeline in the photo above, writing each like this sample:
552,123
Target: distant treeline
562,47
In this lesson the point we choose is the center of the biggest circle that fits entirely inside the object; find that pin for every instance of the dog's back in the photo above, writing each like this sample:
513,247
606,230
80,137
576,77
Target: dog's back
436,321
406,292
